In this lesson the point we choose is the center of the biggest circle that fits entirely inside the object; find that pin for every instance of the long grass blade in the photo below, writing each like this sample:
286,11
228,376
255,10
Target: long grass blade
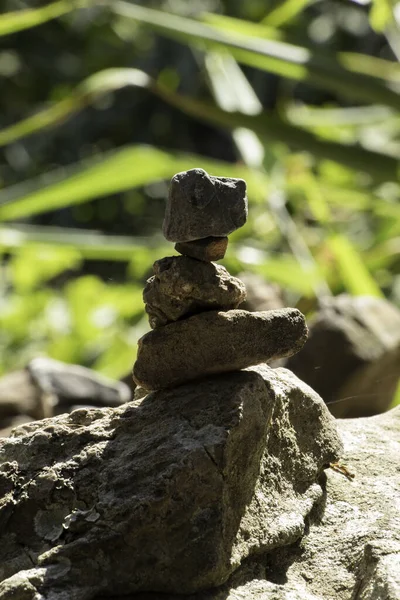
379,166
285,59
15,21
127,168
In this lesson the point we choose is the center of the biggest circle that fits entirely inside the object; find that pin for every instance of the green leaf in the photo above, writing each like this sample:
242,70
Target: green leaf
118,358
34,264
291,275
90,244
268,127
12,22
285,12
351,266
381,14
315,198
129,167
240,26
90,90
273,56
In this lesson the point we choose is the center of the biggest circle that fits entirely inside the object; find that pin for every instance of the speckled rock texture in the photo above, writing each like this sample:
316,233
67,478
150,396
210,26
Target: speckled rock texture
183,286
216,342
351,546
352,356
201,206
168,494
208,249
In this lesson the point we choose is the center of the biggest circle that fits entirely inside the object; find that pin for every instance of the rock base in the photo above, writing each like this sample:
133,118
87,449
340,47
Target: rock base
168,494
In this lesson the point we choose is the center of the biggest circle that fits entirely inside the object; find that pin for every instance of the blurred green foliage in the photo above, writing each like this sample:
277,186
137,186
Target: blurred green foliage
103,101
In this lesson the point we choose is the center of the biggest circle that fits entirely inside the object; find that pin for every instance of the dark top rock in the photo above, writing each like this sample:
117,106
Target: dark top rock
200,206
208,249
216,342
184,286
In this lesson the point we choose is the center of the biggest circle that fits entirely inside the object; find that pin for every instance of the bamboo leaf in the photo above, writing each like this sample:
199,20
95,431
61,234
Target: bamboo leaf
124,169
268,127
362,64
91,245
241,26
87,92
380,14
351,266
12,22
274,56
285,12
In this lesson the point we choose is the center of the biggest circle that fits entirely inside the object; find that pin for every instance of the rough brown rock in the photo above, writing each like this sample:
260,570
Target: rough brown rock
352,356
201,206
208,249
216,342
169,494
183,286
351,549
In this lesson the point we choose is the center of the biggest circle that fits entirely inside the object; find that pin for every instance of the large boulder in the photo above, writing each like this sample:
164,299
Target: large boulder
351,550
352,355
168,494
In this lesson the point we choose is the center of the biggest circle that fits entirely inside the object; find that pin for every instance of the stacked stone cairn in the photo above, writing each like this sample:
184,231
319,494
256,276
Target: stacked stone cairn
197,329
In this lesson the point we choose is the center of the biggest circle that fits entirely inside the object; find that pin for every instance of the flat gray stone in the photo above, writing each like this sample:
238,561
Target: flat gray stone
208,249
216,342
183,286
168,494
200,206
47,387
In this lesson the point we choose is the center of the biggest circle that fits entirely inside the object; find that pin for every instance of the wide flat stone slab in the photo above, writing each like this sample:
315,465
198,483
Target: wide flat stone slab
182,286
216,342
200,206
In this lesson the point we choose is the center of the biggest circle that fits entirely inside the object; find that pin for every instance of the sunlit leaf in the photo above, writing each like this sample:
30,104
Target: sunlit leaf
90,90
12,22
273,56
380,14
266,126
123,169
285,12
118,358
240,26
362,64
351,266
34,264
315,198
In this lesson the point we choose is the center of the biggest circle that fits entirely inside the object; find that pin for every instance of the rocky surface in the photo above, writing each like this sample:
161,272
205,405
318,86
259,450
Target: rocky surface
351,546
201,206
168,494
216,342
352,356
182,286
208,249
